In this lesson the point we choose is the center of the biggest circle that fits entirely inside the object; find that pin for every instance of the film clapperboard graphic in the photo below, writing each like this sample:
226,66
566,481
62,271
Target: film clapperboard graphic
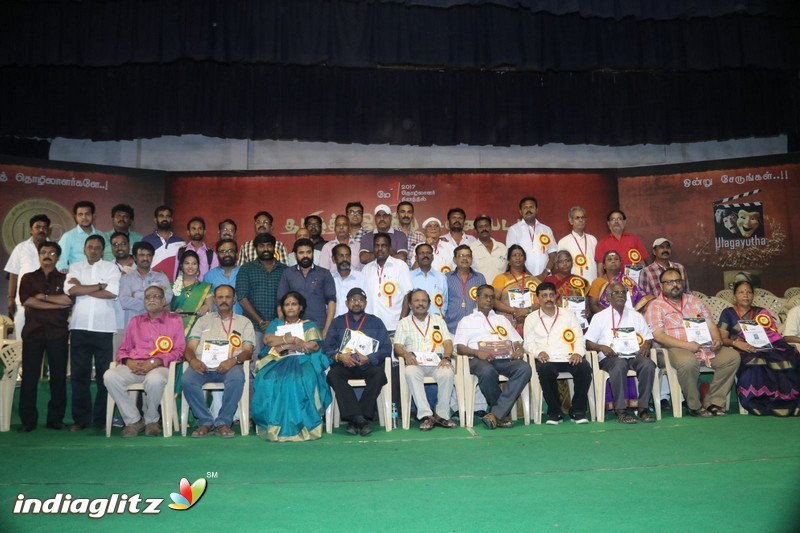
736,219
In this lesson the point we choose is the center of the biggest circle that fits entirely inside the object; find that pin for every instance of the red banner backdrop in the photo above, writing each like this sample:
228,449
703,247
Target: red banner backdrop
29,188
724,219
290,197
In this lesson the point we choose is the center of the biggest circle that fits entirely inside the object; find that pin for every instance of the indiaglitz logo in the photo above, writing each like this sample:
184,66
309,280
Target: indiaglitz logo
189,495
116,503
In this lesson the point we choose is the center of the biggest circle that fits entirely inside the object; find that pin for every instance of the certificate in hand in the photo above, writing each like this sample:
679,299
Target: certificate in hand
755,335
633,271
295,330
214,353
519,299
499,349
697,331
355,341
427,358
624,342
576,304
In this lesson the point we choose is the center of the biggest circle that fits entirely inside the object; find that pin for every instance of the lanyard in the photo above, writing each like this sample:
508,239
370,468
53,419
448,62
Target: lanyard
614,326
521,282
532,234
741,316
427,326
230,325
546,330
678,310
358,327
578,244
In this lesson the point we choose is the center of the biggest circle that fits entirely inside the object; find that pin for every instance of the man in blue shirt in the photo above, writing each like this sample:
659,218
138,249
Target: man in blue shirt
314,283
431,281
462,286
73,241
225,273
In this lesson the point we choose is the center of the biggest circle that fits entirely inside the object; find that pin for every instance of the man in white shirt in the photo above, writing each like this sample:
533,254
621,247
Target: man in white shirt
456,218
535,238
94,284
494,347
603,336
24,258
554,338
581,245
489,257
386,282
345,278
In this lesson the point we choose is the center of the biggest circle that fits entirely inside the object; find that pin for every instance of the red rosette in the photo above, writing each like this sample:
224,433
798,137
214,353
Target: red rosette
163,344
473,293
438,300
634,256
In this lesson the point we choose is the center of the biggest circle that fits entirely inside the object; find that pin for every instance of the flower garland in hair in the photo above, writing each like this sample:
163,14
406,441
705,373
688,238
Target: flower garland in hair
177,285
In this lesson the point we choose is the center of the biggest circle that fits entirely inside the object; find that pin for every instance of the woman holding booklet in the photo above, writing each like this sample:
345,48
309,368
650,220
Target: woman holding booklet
768,376
290,390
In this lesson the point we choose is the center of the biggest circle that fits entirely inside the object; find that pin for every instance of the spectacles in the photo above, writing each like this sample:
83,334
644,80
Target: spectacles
313,225
672,281
51,253
464,256
579,218
119,244
616,219
357,299
226,252
619,293
354,212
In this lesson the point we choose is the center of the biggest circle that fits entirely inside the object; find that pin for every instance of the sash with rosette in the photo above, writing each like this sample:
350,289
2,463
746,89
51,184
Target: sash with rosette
389,288
544,242
163,344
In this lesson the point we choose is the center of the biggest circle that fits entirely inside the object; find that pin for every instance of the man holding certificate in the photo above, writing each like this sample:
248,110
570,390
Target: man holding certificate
684,325
422,339
553,336
357,344
494,347
152,341
218,345
622,340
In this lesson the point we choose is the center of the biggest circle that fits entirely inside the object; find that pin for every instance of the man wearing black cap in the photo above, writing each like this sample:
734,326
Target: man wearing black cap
366,363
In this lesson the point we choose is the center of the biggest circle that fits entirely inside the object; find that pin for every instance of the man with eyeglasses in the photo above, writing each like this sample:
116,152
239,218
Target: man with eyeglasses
580,244
494,348
610,334
133,285
670,316
152,341
225,273
630,247
45,331
313,223
535,238
263,224
355,216
462,287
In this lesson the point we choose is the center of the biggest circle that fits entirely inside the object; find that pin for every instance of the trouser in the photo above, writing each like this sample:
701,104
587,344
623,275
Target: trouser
120,377
192,384
33,350
88,346
548,379
687,366
617,368
415,379
351,407
488,373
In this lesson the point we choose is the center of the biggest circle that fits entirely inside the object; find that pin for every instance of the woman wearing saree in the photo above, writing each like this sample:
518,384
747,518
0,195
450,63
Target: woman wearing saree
190,298
513,289
597,299
768,380
290,389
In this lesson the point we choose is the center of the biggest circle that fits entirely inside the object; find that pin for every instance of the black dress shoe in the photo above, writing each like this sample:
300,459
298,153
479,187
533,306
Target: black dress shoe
25,428
78,426
56,425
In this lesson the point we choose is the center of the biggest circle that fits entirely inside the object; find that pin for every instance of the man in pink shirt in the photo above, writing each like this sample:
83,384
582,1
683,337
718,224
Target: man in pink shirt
152,341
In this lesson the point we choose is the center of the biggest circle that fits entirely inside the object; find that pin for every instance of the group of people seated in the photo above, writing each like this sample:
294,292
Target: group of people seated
311,320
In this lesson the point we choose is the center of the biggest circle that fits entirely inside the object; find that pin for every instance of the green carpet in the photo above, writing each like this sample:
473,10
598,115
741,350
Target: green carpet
738,473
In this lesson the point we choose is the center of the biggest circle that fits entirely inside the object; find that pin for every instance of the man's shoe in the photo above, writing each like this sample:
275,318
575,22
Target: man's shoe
366,429
646,417
580,418
153,429
117,422
490,421
134,429
352,428
506,422
554,420
701,413
665,406
58,426
26,428
624,418
78,426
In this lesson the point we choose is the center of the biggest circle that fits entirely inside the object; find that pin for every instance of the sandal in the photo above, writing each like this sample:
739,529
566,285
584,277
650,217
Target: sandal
225,432
202,431
716,410
490,421
624,418
506,422
426,424
702,413
443,422
646,417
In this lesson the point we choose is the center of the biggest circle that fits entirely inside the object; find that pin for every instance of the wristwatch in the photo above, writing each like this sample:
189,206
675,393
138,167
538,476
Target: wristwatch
238,361
153,361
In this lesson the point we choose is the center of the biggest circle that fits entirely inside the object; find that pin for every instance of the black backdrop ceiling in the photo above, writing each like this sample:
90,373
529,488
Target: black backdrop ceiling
502,72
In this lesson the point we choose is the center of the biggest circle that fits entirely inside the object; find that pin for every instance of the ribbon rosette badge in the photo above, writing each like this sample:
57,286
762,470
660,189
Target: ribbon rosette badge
473,293
500,330
445,269
569,338
580,261
189,495
634,256
531,285
163,345
437,338
578,283
545,241
627,281
438,300
639,338
235,340
389,288
764,321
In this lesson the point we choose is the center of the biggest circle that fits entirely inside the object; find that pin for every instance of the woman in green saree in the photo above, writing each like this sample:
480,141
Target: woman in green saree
191,298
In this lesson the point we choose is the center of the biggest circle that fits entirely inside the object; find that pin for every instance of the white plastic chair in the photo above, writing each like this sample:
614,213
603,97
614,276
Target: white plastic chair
405,394
169,415
11,356
244,401
600,376
537,394
332,416
469,384
6,327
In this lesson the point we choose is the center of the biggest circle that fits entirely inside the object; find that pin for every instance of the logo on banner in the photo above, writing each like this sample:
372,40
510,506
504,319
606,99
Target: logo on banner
739,224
